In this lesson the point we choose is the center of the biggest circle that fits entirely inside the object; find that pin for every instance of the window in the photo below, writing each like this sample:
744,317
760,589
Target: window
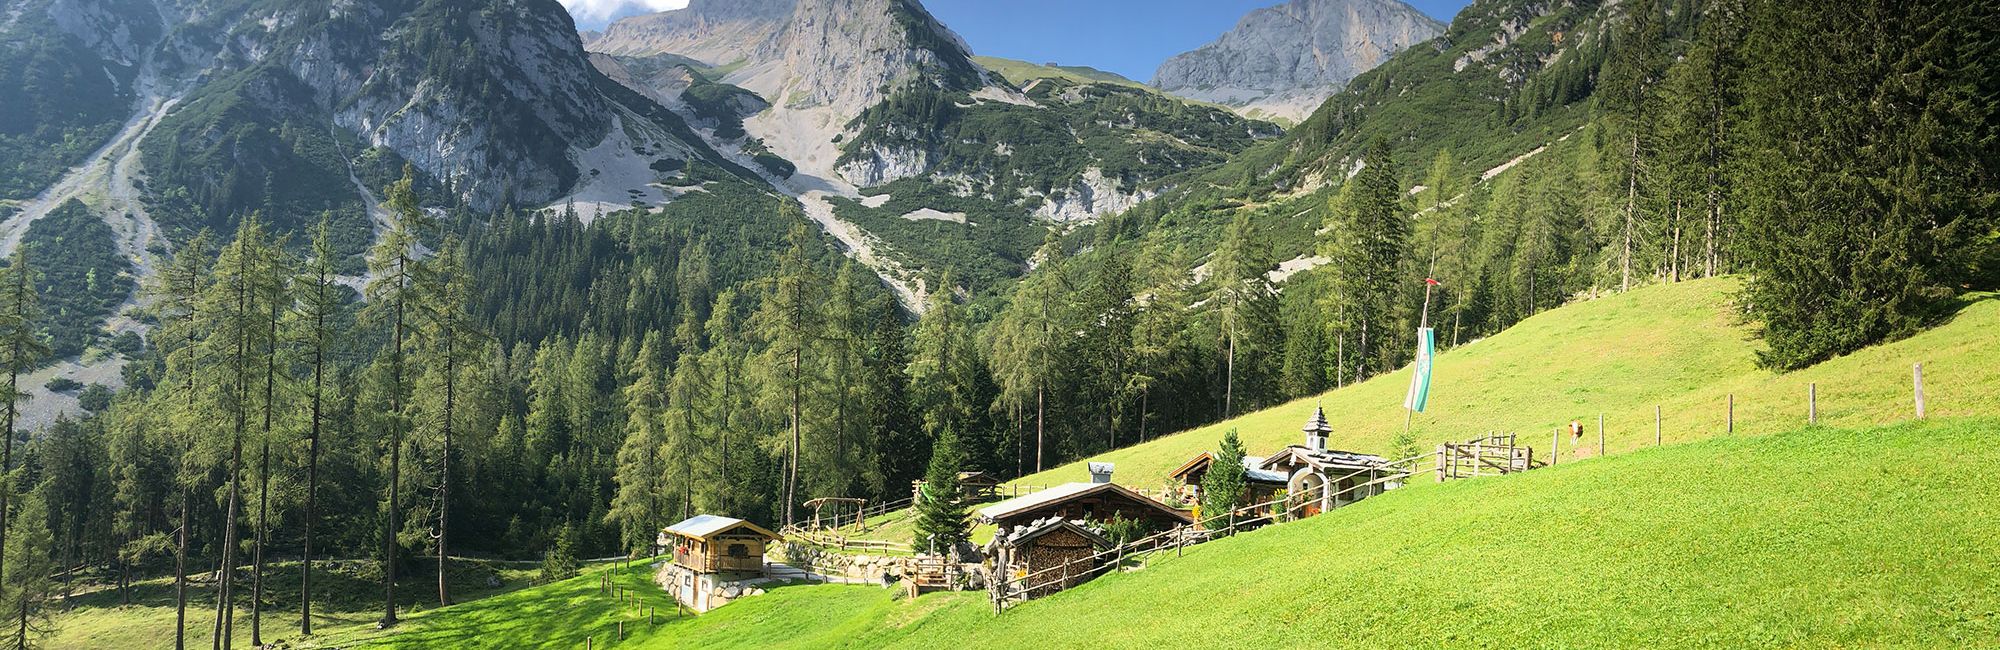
739,550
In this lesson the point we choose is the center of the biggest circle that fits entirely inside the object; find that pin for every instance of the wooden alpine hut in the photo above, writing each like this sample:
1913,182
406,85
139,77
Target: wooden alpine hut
708,544
1098,500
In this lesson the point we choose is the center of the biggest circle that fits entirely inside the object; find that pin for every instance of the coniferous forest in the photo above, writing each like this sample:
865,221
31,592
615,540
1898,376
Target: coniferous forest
502,383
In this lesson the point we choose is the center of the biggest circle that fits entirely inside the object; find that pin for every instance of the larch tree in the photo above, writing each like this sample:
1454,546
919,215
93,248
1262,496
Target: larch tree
177,300
233,304
21,349
319,305
273,289
641,476
1244,305
451,346
28,581
398,270
790,326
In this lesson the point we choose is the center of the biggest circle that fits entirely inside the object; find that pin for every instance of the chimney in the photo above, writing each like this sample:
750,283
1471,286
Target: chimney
1101,472
1317,430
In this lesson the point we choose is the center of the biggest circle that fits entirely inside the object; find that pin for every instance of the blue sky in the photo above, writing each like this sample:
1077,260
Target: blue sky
1129,37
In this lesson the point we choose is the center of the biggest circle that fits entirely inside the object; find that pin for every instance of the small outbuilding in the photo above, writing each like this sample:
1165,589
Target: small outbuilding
1055,553
1260,485
978,486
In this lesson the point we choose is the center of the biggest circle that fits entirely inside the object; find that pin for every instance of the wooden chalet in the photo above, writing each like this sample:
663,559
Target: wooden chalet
1064,545
1098,500
708,544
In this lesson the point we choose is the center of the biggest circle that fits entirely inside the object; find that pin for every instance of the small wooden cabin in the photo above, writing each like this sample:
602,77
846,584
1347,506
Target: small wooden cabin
1260,485
978,486
1046,544
1097,501
708,544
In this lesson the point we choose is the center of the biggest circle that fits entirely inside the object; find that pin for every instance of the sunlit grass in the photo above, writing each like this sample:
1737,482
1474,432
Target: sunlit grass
1681,347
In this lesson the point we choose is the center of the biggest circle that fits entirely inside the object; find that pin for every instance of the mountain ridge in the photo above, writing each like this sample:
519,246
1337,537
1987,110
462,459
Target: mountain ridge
1283,61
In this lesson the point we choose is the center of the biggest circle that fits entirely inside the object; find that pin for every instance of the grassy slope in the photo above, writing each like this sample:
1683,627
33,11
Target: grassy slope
1677,346
1815,537
347,596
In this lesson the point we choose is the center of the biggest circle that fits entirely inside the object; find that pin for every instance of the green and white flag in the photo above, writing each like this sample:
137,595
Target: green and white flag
1420,382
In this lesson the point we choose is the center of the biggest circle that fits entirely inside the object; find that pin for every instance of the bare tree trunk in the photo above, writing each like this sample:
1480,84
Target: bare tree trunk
312,454
264,480
1145,399
225,600
180,576
1040,407
792,475
1229,378
444,482
1340,359
1631,216
395,450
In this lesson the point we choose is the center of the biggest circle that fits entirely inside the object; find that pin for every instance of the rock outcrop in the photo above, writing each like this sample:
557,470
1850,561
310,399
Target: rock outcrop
1284,61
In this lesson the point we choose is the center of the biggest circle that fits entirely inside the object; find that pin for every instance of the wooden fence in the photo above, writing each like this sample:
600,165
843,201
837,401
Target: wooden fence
1006,591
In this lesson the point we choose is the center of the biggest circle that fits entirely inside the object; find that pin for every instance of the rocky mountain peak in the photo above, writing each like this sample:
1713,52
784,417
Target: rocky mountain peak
804,53
1284,61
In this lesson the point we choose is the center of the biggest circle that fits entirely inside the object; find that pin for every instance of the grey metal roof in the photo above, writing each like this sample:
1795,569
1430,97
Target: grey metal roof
1065,492
1050,524
1037,499
1265,476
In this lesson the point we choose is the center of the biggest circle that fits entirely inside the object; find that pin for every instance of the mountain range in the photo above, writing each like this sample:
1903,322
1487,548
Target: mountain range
168,117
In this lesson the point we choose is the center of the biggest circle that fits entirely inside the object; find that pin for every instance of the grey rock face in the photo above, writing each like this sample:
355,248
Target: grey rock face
803,53
1283,61
715,32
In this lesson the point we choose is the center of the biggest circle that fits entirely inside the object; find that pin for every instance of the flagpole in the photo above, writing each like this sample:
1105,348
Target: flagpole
1409,410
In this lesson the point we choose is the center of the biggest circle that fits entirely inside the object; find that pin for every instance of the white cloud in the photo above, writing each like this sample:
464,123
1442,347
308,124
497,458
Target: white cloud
594,11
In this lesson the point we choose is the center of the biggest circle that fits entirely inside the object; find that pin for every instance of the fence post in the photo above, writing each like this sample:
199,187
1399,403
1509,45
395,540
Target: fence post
1732,413
621,630
1812,403
1918,371
1600,435
1555,445
1656,425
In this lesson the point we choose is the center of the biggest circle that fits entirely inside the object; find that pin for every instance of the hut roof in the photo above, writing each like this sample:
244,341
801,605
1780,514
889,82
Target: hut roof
706,527
1040,527
1066,492
978,478
1252,469
1323,459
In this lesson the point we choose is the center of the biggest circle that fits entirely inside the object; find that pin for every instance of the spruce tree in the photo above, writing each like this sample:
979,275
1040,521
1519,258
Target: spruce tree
1223,485
941,519
1871,169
